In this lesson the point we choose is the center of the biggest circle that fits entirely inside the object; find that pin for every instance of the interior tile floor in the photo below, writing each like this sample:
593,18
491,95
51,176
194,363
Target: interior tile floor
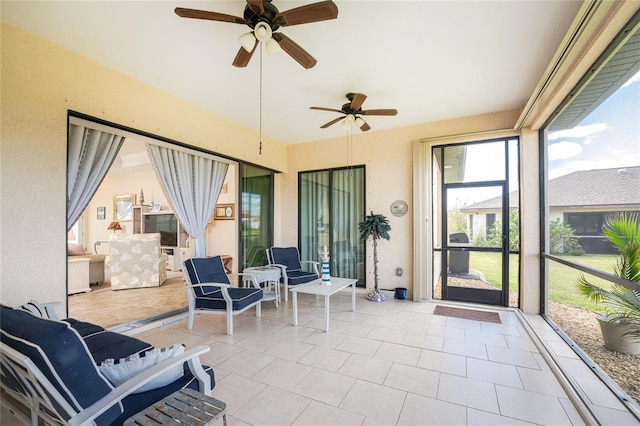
391,363
110,308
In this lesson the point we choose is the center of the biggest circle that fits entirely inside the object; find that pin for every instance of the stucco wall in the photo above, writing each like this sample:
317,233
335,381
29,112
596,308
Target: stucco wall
40,82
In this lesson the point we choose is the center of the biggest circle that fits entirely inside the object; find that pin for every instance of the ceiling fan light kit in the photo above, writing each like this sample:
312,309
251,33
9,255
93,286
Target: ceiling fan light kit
248,41
262,31
272,46
350,119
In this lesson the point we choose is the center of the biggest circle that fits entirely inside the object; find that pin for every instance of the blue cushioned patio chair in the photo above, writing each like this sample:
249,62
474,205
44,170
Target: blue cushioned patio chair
50,367
209,290
288,259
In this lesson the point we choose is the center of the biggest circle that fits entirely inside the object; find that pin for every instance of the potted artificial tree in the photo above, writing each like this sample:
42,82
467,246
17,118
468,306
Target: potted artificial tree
375,226
621,324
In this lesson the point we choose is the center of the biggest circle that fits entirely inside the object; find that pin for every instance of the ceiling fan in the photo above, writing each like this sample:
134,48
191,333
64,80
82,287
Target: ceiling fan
352,111
265,19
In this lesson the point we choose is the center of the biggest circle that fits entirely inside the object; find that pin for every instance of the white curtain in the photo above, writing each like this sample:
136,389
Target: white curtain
90,154
192,184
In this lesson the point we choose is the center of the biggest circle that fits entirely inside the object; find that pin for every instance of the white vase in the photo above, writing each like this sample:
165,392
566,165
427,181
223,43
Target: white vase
613,339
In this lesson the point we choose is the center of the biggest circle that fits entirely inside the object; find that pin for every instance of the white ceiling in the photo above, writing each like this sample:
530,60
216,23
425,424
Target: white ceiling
431,60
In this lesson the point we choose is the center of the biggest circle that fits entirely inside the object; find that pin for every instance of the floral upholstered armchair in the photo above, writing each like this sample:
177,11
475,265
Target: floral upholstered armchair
136,261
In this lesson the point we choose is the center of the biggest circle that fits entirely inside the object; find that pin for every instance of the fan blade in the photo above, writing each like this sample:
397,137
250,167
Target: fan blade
314,12
258,4
243,57
332,122
357,100
295,51
327,109
210,16
365,127
379,112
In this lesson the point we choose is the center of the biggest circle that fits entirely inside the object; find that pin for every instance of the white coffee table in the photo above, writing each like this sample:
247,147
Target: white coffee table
316,287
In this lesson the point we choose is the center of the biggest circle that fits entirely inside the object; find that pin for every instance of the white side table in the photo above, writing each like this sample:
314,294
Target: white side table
269,275
78,275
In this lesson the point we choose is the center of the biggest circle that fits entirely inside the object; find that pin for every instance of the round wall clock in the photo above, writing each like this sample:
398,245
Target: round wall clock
399,208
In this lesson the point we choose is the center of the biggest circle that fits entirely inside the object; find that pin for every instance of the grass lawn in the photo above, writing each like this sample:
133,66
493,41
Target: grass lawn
490,264
562,279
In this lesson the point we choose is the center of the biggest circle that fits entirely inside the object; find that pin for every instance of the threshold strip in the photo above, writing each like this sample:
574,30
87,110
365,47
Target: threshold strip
134,327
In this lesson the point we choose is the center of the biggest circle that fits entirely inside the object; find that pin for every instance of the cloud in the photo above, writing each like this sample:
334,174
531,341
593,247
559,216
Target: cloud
563,150
579,131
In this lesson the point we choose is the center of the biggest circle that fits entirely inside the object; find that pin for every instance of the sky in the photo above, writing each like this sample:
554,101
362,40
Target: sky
484,162
609,137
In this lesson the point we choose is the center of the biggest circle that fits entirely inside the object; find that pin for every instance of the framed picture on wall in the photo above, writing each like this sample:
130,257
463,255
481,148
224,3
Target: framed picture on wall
224,212
123,207
101,213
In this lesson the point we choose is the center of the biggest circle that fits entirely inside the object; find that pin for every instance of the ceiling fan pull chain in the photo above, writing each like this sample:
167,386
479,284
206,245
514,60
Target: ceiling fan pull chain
349,146
349,149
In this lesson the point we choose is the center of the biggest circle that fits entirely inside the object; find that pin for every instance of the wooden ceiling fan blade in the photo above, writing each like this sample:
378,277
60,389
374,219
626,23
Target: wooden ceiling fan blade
332,122
357,101
365,127
380,112
209,16
295,51
327,109
258,4
243,57
314,12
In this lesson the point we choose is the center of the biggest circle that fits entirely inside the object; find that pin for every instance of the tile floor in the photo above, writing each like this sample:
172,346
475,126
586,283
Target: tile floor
99,305
390,363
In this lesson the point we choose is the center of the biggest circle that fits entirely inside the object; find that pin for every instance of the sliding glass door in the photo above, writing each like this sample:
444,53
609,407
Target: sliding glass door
256,207
331,206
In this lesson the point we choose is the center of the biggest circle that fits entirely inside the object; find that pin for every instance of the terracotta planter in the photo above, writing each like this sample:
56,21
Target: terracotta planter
613,339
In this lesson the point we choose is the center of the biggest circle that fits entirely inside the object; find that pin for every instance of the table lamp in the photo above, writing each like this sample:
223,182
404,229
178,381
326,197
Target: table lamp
114,226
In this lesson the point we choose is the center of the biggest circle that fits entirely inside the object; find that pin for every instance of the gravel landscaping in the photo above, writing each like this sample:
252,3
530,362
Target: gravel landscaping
582,327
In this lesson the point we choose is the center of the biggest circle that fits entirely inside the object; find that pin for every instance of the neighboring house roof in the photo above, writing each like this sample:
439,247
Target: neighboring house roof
603,188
